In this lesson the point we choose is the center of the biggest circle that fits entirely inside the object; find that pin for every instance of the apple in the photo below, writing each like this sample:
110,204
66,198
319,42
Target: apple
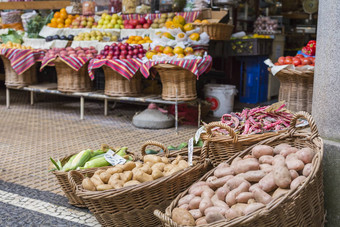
106,47
110,52
130,52
111,48
146,26
134,56
109,57
140,55
149,21
73,55
124,52
102,52
128,56
89,55
134,22
123,47
117,52
121,57
142,21
126,22
106,52
94,51
135,51
138,26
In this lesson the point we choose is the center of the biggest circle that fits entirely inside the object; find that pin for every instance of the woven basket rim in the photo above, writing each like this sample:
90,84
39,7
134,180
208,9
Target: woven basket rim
307,73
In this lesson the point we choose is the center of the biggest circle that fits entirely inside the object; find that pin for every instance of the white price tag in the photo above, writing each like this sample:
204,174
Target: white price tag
113,158
198,133
190,150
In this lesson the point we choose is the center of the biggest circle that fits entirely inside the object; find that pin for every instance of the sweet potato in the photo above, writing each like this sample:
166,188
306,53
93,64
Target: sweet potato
223,165
266,168
295,164
261,196
288,150
240,208
222,192
297,182
252,176
266,159
221,172
253,207
232,213
254,186
236,160
186,199
279,191
182,217
217,183
184,206
196,213
250,201
213,217
197,188
282,177
280,147
230,198
267,183
243,197
210,180
261,150
307,169
306,155
215,209
88,184
292,156
293,174
201,221
246,165
279,160
219,203
195,203
234,182
248,156
204,204
207,193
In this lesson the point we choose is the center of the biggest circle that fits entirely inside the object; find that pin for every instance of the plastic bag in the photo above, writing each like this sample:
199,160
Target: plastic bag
11,20
26,17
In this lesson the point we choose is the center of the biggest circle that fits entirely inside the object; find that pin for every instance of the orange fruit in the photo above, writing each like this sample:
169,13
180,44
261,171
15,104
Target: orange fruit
141,42
179,20
197,21
60,21
63,15
54,24
138,38
63,10
188,27
205,22
49,25
70,17
168,24
77,15
195,36
68,21
60,25
56,15
54,20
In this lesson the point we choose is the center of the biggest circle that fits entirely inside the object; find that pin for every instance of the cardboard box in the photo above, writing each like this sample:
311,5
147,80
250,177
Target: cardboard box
212,16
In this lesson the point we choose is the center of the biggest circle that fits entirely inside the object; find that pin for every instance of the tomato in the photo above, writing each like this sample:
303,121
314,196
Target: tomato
288,61
281,60
276,63
312,59
299,65
296,61
306,61
299,56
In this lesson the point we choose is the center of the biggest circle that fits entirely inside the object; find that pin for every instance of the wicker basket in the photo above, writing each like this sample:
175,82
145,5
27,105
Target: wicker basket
133,205
223,147
296,88
177,83
12,79
117,85
216,31
300,207
70,80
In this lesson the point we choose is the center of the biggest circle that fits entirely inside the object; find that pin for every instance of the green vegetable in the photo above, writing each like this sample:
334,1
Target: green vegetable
97,156
182,145
97,152
199,144
97,162
150,151
12,36
56,164
122,151
80,159
66,167
34,26
170,148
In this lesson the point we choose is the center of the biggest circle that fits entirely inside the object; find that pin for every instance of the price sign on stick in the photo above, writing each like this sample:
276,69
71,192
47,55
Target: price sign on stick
114,159
190,150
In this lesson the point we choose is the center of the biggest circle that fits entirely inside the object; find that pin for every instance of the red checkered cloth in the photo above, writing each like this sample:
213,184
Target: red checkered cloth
188,16
74,62
196,66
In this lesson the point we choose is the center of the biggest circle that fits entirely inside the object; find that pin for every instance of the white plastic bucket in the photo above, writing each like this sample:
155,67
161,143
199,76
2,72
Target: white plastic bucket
221,96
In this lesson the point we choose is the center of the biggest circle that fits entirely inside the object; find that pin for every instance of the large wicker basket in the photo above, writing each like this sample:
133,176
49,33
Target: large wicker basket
177,83
12,79
70,80
296,88
303,206
117,85
133,205
216,31
223,147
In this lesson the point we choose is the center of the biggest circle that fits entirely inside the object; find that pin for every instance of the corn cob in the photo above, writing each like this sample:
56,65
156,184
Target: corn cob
80,159
66,167
97,152
97,162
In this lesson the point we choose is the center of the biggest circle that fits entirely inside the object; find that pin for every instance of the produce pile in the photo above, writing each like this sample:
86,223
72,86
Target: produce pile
248,184
133,173
96,35
90,52
122,51
298,61
257,120
10,45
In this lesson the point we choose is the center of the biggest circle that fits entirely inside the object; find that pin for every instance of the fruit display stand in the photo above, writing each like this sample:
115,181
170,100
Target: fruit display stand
216,31
188,16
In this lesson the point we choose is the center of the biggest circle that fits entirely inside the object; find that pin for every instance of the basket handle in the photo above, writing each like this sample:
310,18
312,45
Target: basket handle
302,114
212,125
165,219
154,143
75,178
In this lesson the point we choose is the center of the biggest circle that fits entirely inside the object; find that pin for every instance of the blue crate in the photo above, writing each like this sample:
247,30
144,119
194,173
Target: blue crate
254,80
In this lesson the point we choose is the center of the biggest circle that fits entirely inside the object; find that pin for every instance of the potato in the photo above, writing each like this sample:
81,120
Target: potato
292,156
254,186
218,203
293,174
280,147
223,165
261,196
105,177
282,177
230,198
157,174
96,180
235,182
267,183
195,203
232,213
221,172
175,162
182,217
198,190
248,156
151,158
307,169
184,206
131,182
129,166
306,155
165,160
217,183
173,170
116,183
246,165
168,167
99,171
213,217
114,170
297,182
138,164
261,150
250,201
119,166
185,200
183,164
114,177
215,209
150,164
279,160
207,193
253,207
243,197
266,168
288,150
252,176
222,192
160,166
236,160
240,207
196,213
104,187
141,176
126,176
204,204
278,192
201,221
88,184
146,169
295,164
266,159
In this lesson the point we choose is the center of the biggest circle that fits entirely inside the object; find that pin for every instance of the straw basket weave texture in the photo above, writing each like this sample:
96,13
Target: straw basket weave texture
296,88
70,80
133,205
12,79
216,31
117,85
177,83
302,206
223,147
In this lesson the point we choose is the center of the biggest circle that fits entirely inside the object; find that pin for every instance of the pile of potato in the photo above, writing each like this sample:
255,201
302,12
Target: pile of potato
245,186
132,173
